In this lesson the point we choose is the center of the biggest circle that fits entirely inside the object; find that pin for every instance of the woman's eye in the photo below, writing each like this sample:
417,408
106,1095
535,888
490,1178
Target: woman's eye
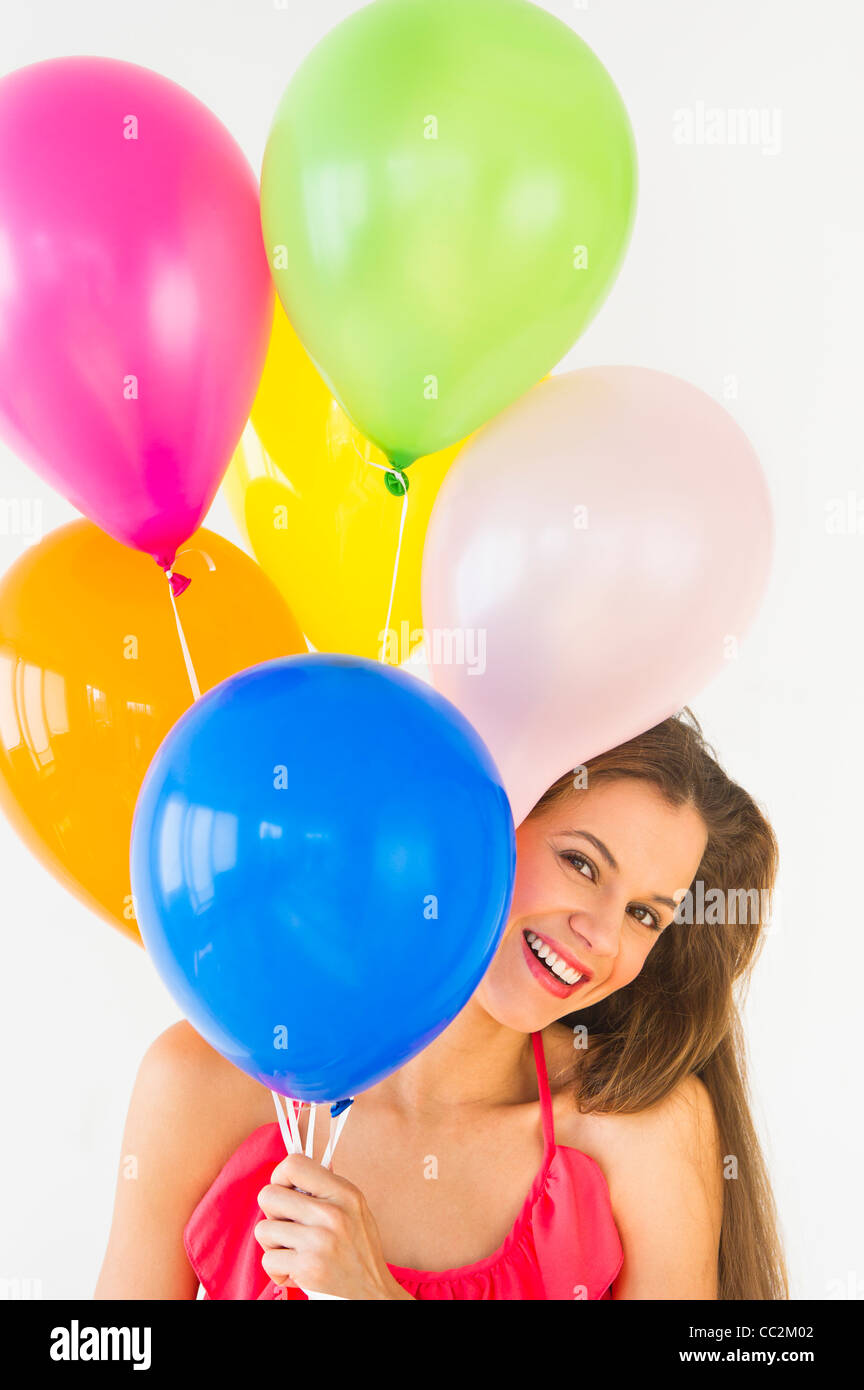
647,918
580,863
644,916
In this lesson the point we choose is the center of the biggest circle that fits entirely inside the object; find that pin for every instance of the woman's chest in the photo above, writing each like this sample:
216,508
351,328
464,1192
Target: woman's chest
444,1200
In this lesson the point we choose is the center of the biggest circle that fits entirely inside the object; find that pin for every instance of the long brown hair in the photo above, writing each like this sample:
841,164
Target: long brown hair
681,1013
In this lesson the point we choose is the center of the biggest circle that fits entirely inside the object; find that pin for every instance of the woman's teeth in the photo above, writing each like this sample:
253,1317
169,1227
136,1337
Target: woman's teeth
552,961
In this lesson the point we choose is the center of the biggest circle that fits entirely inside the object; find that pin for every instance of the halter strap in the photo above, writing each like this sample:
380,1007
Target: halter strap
543,1088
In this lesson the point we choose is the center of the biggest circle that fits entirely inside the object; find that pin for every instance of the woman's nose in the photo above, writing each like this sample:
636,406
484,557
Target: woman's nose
598,932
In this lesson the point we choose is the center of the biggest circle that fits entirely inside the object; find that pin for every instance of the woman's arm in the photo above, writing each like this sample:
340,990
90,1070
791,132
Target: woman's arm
664,1169
188,1112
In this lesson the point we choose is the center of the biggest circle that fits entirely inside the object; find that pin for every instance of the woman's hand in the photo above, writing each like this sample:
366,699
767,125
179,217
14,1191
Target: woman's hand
322,1237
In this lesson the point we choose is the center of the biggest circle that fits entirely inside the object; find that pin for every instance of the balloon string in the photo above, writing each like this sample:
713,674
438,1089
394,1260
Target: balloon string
393,582
288,1138
387,469
190,669
336,1128
290,1127
310,1132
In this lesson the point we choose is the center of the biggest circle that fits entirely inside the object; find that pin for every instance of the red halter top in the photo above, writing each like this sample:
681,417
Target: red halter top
564,1243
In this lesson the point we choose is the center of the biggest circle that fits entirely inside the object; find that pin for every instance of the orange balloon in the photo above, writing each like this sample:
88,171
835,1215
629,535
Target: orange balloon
92,678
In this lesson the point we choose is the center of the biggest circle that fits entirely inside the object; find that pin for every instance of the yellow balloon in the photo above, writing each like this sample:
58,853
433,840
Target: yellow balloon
316,512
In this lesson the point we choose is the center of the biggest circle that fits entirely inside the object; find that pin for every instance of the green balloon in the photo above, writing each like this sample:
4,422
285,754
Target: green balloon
447,193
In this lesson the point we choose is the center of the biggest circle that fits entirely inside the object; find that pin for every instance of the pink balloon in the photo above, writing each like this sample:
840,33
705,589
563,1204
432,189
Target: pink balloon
135,295
609,537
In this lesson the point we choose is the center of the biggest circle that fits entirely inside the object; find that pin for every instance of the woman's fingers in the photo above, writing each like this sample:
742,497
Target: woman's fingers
306,1270
296,1170
310,1260
287,1204
280,1235
314,1223
275,1264
319,1232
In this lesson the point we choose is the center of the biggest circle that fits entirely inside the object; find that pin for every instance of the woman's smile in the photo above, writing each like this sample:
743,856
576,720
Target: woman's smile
554,968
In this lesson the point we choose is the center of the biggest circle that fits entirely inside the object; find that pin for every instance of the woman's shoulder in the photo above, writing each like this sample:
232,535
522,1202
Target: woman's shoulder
190,1110
682,1122
182,1059
663,1168
190,1091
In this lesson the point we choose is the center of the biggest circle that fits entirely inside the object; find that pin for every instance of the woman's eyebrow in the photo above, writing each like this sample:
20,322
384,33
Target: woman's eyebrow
598,844
613,864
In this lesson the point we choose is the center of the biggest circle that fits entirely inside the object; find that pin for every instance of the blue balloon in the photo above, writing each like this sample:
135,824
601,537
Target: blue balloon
322,866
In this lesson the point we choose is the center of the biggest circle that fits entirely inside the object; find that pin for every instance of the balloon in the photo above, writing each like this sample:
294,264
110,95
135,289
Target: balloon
92,678
292,410
447,194
136,297
606,542
323,859
314,509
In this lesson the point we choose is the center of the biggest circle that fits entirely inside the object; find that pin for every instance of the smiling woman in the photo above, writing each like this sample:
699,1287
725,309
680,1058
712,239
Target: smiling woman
578,1119
668,1012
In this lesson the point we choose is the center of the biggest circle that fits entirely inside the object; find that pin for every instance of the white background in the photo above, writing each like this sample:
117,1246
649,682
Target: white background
744,277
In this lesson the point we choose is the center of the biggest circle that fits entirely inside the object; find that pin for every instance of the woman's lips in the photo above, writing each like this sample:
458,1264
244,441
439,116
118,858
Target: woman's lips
544,975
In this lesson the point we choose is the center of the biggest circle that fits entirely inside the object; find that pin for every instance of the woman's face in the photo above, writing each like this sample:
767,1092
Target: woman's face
598,878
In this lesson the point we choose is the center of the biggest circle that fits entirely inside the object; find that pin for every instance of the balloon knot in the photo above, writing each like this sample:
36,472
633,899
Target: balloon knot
396,482
339,1105
179,582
